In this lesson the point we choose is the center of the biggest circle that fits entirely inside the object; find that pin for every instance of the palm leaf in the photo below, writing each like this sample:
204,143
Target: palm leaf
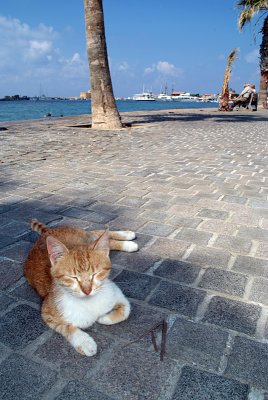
225,87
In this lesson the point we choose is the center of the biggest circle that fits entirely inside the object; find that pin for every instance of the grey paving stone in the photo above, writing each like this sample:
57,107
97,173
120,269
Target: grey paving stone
233,244
21,378
157,229
178,270
253,233
193,343
193,236
17,251
88,215
139,261
15,228
58,351
123,378
224,281
184,221
248,362
5,301
10,272
26,292
21,326
259,291
232,314
234,199
76,390
169,248
201,385
207,256
215,214
136,285
6,240
251,266
177,298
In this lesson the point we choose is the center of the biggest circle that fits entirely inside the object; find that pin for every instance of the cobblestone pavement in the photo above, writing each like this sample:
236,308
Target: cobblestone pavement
194,186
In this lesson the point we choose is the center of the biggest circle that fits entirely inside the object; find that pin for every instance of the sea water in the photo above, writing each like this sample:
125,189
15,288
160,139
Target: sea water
32,109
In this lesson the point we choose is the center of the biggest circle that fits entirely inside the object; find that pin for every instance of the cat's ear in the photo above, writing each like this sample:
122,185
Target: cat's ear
102,243
55,249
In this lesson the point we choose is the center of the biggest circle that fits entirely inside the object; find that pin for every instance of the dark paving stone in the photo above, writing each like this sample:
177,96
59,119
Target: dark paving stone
5,301
169,248
251,266
232,314
20,326
215,214
21,378
201,385
194,343
180,299
153,228
10,272
224,281
88,215
209,257
123,378
259,291
248,361
26,292
139,261
17,251
6,240
177,270
76,390
69,362
136,285
15,228
194,236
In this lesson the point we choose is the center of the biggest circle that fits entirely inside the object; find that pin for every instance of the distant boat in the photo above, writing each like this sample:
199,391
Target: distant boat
164,96
183,97
144,96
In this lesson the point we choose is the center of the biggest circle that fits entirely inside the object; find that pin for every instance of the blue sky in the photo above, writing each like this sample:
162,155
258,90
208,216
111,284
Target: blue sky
150,43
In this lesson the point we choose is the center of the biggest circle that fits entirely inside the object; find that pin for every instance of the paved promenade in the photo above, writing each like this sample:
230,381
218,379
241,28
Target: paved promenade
193,184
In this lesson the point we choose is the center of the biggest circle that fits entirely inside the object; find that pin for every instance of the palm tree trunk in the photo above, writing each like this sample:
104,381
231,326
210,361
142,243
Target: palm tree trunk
104,111
264,65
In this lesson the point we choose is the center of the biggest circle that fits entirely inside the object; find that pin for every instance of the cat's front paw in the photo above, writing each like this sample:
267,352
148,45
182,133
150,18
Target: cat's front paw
84,344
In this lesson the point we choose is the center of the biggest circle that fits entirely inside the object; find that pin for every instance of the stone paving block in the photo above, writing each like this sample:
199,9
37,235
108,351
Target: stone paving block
194,344
168,248
6,240
157,229
123,378
21,378
177,298
139,261
232,314
58,351
234,199
193,236
253,233
251,266
215,214
88,215
15,228
224,281
184,221
259,291
21,326
217,226
201,385
17,252
207,256
233,244
26,292
5,301
136,285
178,270
248,362
76,390
262,250
10,272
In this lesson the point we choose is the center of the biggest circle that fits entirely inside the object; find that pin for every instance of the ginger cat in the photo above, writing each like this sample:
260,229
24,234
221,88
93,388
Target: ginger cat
69,268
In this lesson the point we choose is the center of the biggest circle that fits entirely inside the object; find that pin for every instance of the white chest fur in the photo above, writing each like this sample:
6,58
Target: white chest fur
84,311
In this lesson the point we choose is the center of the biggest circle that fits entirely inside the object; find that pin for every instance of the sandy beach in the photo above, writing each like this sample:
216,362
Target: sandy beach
193,185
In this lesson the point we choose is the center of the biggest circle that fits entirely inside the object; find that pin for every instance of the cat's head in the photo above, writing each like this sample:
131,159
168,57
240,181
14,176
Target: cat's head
82,270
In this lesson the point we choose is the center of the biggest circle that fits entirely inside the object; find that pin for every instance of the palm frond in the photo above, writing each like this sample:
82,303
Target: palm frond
225,87
250,8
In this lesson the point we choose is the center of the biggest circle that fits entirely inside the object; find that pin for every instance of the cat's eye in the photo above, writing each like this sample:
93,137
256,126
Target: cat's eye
75,277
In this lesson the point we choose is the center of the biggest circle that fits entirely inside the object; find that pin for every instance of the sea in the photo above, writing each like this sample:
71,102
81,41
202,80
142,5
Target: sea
32,109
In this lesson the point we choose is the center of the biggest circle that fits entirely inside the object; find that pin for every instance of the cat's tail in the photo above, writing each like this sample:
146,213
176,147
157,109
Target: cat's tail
38,226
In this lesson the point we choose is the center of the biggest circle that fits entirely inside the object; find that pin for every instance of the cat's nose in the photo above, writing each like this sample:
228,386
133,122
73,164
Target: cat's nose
86,289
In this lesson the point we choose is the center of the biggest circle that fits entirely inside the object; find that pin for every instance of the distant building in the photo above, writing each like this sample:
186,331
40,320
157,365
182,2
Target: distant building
85,95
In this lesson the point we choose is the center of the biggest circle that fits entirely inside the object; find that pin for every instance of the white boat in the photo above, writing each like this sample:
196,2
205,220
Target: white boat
164,96
184,97
144,96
